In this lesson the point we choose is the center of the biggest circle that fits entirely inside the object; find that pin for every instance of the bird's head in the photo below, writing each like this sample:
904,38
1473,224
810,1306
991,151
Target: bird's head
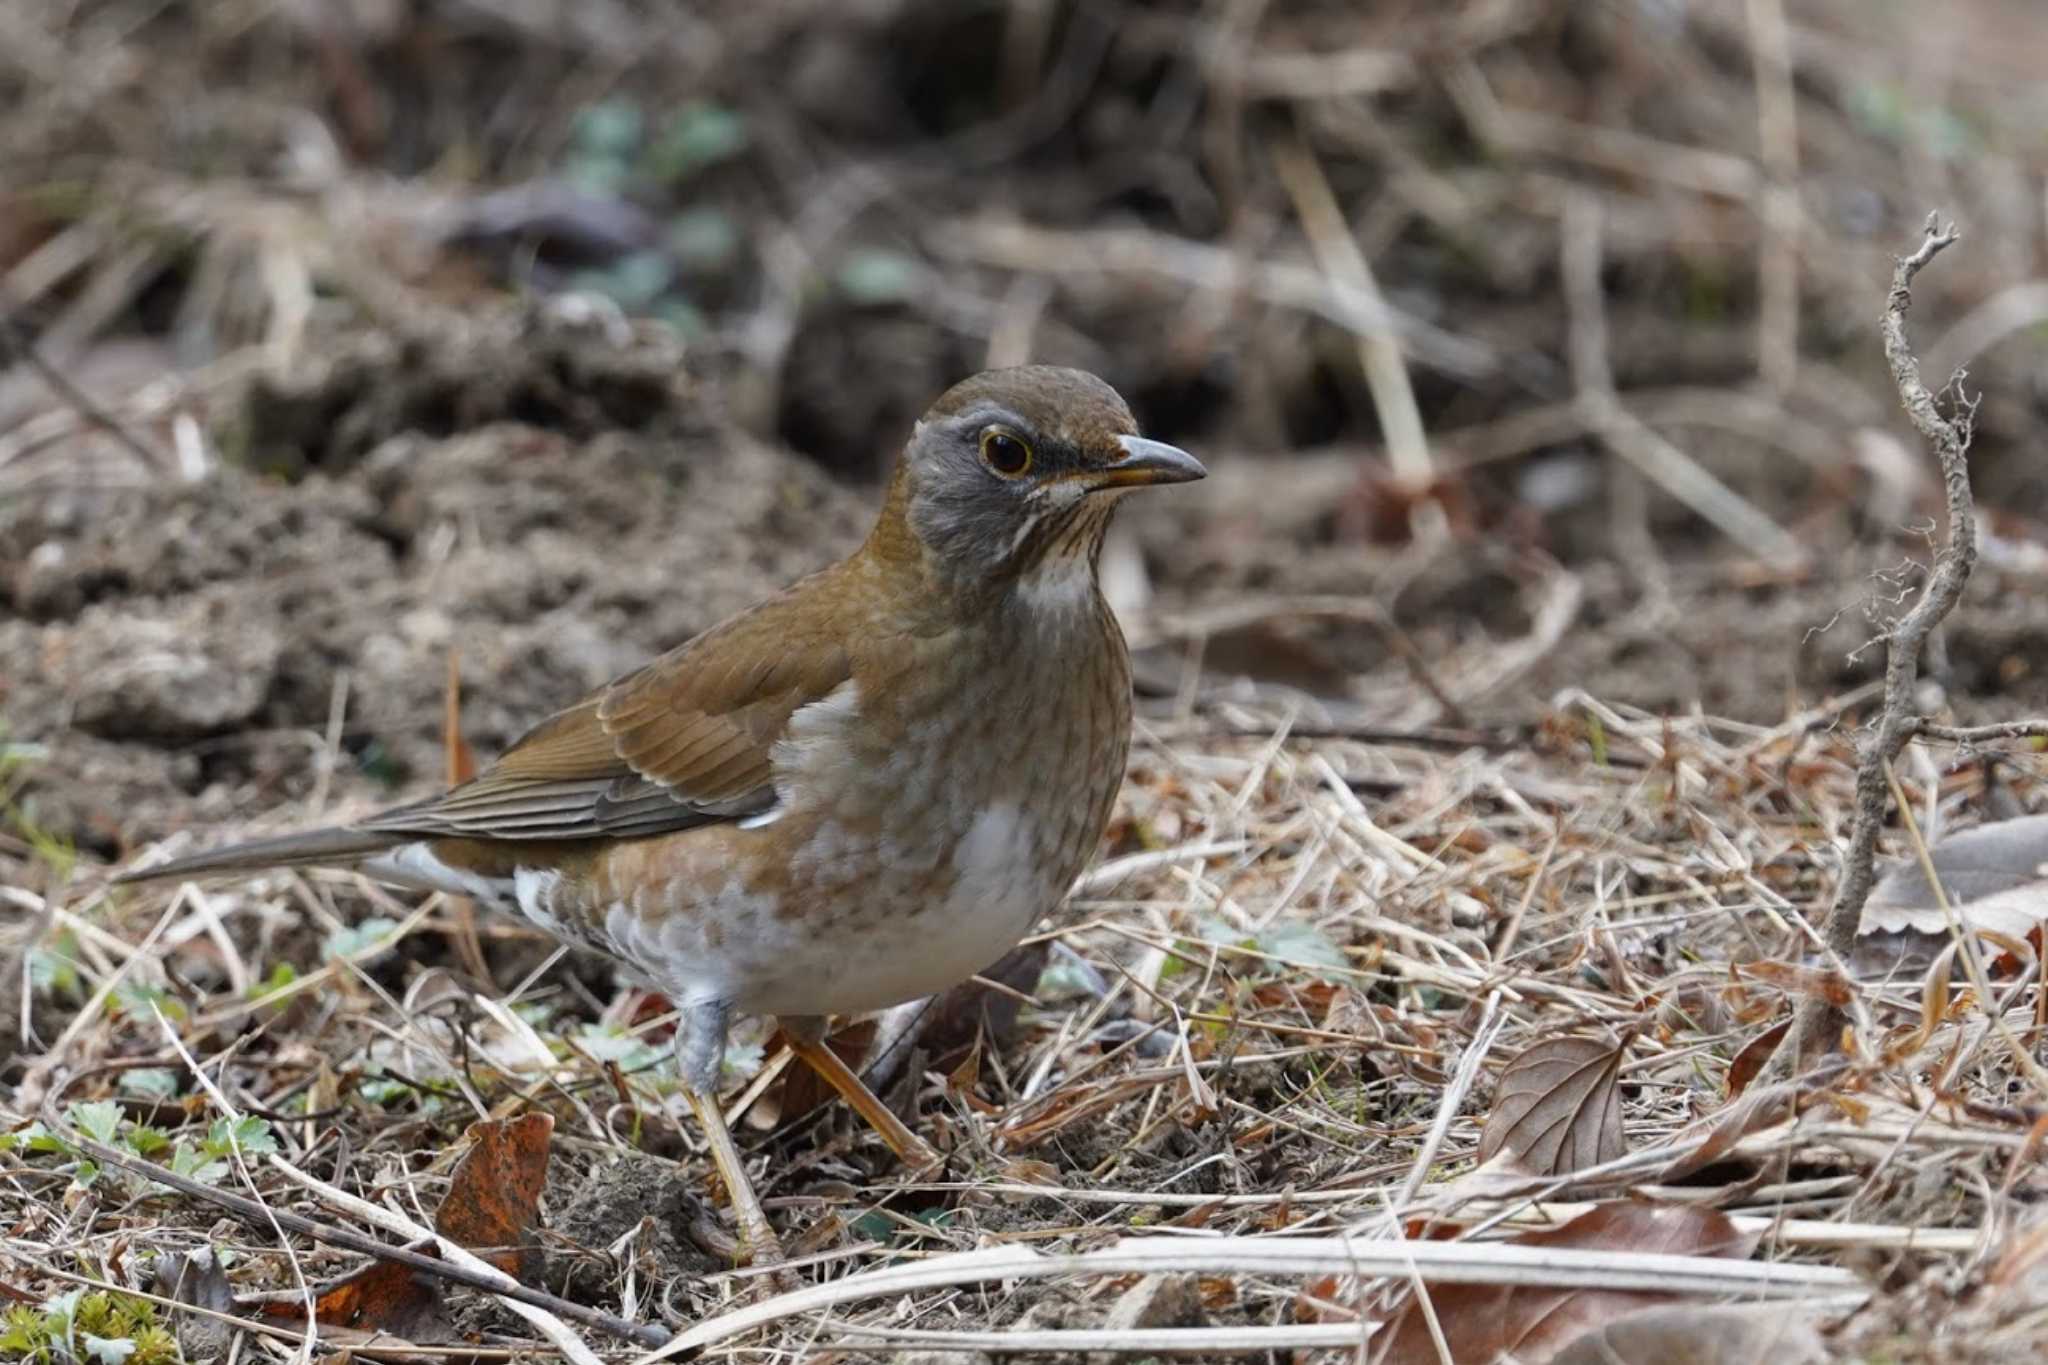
1014,473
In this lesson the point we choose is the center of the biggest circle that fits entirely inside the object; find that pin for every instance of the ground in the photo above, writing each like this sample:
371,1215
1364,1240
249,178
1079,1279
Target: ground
406,343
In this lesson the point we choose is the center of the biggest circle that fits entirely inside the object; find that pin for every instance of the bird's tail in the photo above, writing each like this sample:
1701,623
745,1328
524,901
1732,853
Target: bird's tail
339,846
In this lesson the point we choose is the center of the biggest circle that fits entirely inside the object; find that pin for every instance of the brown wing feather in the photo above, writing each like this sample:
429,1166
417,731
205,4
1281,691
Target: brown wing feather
684,741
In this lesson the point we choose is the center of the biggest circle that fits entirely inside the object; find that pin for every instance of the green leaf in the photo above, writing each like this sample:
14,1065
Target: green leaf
633,281
144,1140
874,275
610,128
360,938
57,1312
693,138
383,1090
873,1227
150,1082
1300,942
683,317
615,1045
704,239
55,968
99,1120
141,999
1065,978
193,1164
34,1138
281,977
251,1135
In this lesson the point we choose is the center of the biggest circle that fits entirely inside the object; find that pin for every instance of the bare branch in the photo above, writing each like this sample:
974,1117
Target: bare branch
1898,722
15,345
1982,734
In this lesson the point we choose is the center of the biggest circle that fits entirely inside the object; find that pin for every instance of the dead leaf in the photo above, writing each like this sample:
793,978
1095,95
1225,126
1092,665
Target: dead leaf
1994,876
493,1200
384,1298
1692,1334
196,1278
1749,1061
1558,1109
492,1207
1752,1111
1323,1300
1484,1323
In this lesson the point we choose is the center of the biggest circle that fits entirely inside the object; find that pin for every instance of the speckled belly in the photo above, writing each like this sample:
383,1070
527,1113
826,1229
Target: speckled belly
847,923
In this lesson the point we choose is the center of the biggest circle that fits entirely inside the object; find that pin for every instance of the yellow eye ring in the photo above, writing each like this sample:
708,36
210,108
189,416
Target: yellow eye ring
1004,451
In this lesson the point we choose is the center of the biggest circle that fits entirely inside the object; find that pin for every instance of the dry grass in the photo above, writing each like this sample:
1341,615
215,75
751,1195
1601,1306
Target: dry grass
1296,1036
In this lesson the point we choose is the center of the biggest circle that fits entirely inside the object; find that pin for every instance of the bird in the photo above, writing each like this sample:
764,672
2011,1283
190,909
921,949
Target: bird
857,792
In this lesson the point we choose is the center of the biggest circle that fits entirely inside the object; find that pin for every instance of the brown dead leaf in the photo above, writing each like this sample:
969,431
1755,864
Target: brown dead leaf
1484,1323
492,1206
493,1200
1749,1061
384,1299
1558,1108
1692,1334
1322,1300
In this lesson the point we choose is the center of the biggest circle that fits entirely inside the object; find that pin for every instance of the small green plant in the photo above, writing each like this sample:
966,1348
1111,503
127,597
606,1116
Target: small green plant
1295,944
349,941
87,1326
53,967
630,1051
206,1161
282,977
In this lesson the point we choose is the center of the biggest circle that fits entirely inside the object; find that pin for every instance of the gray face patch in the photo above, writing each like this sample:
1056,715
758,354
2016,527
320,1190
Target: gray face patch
973,518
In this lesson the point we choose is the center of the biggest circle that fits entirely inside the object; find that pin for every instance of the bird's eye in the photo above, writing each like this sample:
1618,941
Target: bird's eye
1005,452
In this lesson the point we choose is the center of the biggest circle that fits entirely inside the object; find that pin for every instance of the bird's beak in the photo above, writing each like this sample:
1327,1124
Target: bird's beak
1147,462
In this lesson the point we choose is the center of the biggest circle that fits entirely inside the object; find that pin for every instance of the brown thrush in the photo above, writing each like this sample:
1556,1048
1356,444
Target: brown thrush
858,792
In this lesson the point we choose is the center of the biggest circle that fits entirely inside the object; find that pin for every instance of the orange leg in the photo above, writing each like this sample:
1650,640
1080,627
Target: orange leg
806,1040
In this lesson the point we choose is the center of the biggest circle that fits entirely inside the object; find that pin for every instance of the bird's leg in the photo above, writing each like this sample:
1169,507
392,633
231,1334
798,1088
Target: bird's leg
700,1052
806,1035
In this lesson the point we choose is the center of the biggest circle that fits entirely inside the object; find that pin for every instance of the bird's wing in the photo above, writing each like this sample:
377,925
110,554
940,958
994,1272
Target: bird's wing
686,740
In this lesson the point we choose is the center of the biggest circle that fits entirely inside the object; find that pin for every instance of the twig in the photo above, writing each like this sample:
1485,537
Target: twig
1676,472
1443,1262
1452,1101
250,1210
1379,352
1131,251
1778,139
15,344
1818,1022
1980,734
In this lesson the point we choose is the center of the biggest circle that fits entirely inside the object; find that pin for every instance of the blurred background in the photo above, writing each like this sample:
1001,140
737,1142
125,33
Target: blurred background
1532,345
